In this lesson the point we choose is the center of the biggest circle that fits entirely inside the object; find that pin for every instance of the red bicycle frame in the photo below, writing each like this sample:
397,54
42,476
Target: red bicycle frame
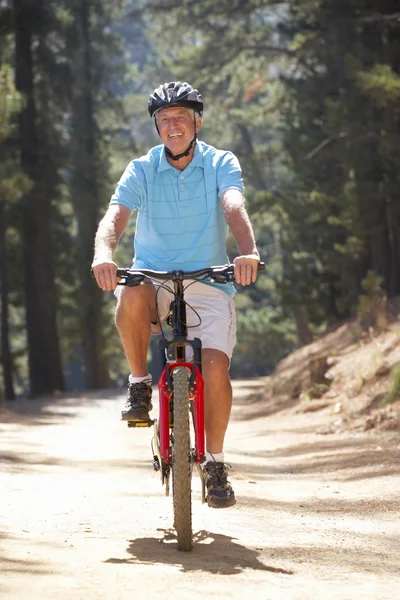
196,394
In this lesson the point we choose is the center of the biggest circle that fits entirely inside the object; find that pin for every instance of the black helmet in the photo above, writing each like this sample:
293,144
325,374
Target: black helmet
175,93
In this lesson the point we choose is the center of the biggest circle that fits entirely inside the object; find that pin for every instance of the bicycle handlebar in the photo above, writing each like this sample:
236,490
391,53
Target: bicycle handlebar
218,274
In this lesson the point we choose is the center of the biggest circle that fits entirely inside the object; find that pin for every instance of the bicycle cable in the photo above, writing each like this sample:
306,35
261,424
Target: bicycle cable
164,285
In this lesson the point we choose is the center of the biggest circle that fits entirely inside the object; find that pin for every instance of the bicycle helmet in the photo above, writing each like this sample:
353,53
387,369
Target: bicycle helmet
175,93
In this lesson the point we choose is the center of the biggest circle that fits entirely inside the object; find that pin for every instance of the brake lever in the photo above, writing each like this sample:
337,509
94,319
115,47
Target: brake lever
131,280
220,278
222,275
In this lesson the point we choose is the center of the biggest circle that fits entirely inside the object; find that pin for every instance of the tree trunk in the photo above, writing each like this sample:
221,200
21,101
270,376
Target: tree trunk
304,332
393,229
87,202
45,368
6,357
248,150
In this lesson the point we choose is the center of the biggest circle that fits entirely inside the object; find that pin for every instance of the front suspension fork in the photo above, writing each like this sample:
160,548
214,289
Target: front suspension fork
196,394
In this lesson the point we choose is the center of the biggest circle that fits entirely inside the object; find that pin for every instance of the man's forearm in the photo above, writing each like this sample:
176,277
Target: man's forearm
110,229
106,239
238,222
242,231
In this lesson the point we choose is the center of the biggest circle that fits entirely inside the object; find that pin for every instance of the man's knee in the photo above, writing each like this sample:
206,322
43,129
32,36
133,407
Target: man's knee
135,303
215,364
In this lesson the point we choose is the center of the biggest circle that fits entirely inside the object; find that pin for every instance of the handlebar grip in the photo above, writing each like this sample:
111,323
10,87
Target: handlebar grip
120,273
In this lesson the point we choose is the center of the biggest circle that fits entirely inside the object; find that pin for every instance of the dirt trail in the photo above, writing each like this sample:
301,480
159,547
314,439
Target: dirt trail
83,515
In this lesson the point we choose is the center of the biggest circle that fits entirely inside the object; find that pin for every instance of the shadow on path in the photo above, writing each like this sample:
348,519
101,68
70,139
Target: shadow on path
54,410
19,565
212,552
257,405
346,460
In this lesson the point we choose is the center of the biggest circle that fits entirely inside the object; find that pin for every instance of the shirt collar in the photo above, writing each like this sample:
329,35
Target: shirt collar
197,160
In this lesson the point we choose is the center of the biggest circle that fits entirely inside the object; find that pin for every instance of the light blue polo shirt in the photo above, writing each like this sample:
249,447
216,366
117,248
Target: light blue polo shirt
180,223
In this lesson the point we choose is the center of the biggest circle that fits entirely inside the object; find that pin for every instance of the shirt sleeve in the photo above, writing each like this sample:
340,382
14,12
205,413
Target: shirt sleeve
229,175
130,188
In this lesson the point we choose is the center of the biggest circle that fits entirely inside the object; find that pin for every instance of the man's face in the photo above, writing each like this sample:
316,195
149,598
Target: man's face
177,126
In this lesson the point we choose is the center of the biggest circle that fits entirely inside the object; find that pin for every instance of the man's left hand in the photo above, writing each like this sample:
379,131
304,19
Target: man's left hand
246,268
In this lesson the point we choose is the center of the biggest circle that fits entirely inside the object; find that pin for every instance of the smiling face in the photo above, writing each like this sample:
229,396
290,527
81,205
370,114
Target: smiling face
177,126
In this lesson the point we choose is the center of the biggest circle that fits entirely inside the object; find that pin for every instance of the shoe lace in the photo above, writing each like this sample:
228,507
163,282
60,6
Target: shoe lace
138,393
217,474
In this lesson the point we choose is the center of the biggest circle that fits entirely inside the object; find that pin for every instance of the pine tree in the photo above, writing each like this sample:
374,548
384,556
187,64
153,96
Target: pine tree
12,185
30,24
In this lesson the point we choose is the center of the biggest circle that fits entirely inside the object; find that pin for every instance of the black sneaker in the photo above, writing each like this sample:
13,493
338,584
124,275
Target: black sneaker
138,403
219,492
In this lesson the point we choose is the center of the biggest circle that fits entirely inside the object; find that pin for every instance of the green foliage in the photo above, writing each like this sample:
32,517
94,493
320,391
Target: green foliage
371,309
394,392
10,102
13,183
372,286
381,83
265,336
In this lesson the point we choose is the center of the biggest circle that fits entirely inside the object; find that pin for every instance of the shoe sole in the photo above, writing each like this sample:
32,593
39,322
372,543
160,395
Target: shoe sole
136,418
221,502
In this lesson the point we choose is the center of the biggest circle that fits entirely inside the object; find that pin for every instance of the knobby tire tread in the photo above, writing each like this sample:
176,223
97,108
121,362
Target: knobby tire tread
181,467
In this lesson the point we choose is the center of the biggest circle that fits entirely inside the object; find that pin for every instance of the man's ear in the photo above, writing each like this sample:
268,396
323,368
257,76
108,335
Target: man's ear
198,122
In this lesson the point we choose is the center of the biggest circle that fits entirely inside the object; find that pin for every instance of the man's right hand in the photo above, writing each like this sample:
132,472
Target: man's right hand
105,272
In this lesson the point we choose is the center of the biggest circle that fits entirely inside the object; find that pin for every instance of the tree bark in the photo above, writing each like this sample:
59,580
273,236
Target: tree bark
304,332
256,175
45,368
6,356
86,183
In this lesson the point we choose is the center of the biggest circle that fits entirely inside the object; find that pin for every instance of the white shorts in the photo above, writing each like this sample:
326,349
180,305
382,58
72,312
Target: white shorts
210,314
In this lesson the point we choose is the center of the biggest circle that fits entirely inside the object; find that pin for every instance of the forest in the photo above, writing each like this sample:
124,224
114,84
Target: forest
306,93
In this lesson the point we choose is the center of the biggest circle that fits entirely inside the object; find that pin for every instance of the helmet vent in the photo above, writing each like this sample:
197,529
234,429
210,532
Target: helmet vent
175,93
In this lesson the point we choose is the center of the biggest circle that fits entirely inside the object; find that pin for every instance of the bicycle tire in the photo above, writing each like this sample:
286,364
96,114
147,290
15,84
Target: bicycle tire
181,461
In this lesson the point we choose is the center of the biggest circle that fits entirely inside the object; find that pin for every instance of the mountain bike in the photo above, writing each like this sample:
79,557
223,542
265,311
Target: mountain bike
178,441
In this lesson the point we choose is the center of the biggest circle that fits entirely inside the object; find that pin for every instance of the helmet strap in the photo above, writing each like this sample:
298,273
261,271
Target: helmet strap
186,153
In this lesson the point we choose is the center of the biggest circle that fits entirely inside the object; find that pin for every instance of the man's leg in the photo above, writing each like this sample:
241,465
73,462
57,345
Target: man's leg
218,398
134,313
218,404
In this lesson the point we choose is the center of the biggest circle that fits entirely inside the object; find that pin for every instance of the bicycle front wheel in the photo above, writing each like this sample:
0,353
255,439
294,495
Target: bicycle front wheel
181,460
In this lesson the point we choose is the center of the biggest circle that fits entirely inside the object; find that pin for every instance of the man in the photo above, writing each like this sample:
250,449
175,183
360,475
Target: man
187,194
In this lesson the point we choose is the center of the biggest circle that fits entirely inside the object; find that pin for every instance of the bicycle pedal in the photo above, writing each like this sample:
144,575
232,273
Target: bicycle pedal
148,423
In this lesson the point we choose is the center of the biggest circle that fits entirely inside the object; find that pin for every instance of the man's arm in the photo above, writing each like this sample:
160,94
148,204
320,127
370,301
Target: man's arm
236,216
110,229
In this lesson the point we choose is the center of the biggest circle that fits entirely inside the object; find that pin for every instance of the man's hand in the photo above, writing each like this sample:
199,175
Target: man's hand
105,272
246,268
